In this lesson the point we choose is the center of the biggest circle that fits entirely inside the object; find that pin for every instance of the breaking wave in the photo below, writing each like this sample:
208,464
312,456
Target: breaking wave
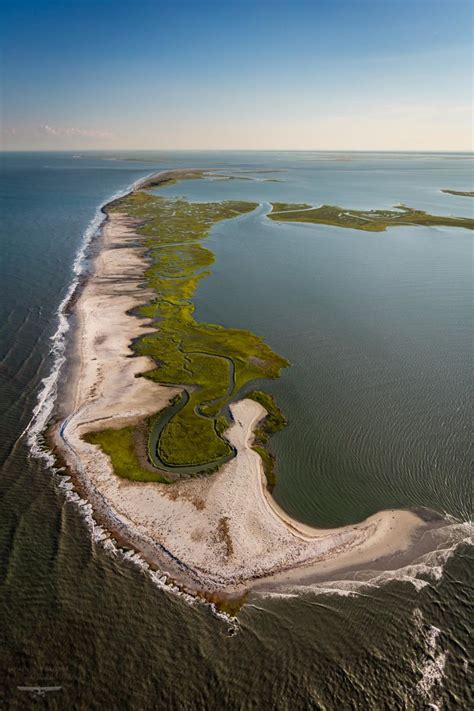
49,385
433,664
423,571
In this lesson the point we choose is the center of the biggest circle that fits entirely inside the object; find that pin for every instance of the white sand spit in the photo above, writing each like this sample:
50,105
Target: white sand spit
178,527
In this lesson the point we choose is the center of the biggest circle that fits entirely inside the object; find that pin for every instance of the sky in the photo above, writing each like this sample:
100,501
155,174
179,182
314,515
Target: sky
236,74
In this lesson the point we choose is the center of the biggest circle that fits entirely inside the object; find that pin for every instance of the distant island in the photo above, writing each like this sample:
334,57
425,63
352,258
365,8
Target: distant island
461,193
369,220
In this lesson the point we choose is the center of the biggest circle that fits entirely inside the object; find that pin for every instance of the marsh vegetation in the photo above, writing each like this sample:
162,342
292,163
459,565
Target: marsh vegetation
211,363
369,220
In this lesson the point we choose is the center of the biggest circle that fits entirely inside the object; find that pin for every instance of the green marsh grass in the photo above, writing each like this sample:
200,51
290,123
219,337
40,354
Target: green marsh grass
209,361
368,220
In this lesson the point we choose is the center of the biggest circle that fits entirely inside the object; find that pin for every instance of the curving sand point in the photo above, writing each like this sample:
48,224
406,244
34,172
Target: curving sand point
222,533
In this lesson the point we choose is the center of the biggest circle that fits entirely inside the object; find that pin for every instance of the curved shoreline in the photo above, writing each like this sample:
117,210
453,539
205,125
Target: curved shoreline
219,534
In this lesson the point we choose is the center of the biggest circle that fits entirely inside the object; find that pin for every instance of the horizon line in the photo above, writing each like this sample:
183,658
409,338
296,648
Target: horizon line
238,150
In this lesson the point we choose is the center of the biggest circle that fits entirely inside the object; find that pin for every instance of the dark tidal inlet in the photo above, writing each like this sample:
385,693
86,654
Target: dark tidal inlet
378,329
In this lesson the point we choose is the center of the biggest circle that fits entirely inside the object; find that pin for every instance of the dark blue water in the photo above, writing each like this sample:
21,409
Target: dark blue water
74,616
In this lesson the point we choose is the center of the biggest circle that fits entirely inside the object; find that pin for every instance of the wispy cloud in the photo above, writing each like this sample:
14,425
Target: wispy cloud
73,131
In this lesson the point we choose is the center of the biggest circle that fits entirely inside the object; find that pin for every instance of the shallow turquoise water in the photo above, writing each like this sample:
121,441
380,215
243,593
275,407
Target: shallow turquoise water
377,328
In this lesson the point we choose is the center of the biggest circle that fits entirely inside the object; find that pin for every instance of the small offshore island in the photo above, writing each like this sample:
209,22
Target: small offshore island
460,193
154,434
369,220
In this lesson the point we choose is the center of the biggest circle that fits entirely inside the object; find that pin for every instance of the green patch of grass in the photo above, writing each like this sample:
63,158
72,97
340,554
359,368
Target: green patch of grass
368,220
273,422
268,465
191,440
120,446
221,424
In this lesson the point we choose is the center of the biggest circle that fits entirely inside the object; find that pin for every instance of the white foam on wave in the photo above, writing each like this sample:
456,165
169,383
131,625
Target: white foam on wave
425,570
49,385
433,664
277,594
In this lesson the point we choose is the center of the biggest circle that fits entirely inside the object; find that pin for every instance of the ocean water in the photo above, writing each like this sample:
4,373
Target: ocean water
378,330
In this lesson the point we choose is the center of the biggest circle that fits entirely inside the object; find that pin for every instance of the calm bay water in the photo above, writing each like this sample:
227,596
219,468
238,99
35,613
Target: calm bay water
378,329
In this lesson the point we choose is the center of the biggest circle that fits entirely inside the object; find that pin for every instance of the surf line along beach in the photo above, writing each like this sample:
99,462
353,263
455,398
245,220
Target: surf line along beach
221,534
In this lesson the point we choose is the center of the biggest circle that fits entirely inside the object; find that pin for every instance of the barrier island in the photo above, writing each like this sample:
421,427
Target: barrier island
161,430
369,220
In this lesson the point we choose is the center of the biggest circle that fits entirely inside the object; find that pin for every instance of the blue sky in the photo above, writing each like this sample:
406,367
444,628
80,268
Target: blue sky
326,74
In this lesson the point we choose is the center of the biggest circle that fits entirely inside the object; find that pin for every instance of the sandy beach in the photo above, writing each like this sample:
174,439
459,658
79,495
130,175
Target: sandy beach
218,534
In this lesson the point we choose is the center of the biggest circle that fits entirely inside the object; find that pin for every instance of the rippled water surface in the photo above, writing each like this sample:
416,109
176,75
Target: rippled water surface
377,328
